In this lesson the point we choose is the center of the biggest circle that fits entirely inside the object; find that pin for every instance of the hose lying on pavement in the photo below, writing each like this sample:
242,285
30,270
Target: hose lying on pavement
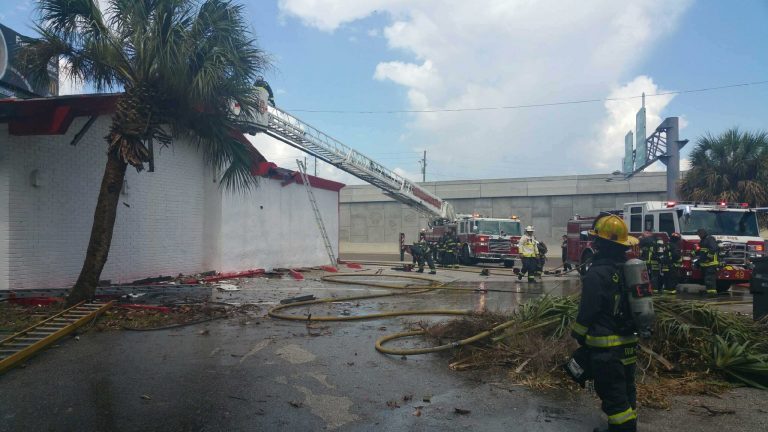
409,290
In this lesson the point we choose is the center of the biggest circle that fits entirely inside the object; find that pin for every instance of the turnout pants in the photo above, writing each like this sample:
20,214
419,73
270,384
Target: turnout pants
655,276
670,279
428,257
530,267
710,278
615,385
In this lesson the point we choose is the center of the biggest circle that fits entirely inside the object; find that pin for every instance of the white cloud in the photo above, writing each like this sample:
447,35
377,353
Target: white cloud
508,52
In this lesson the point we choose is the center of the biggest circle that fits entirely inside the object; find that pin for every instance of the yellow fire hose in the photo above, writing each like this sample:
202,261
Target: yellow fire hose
408,290
434,285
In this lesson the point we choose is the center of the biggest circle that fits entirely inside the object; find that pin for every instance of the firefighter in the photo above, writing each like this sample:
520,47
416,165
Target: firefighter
604,326
260,82
529,255
541,248
442,257
424,253
706,259
657,254
647,241
671,265
452,250
564,247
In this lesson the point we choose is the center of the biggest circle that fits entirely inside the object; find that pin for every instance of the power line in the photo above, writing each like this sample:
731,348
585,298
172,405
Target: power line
509,107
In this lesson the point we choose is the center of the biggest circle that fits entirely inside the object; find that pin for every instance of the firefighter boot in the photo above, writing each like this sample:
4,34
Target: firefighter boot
432,272
520,276
420,270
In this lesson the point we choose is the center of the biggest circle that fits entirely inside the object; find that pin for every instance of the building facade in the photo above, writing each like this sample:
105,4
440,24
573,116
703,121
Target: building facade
174,220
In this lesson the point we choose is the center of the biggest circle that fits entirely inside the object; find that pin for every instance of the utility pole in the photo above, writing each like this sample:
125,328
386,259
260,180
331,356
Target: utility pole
423,163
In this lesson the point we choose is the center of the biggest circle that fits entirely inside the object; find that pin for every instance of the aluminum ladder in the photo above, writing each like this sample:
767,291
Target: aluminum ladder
28,342
298,134
318,216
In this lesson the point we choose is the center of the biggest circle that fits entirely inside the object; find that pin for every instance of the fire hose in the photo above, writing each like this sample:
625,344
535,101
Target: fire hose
409,290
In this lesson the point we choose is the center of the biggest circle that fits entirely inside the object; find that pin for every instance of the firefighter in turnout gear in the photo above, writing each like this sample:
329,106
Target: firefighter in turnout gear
604,325
424,252
260,82
529,255
706,258
671,264
655,257
564,250
452,250
442,256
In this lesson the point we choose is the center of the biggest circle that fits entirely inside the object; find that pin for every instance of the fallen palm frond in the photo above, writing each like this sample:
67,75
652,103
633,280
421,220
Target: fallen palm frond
689,338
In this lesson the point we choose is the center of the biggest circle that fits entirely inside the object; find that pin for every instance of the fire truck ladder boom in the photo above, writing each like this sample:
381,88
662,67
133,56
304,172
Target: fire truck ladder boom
298,134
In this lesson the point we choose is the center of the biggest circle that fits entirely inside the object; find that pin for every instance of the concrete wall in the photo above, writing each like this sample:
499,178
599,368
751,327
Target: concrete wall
175,220
371,221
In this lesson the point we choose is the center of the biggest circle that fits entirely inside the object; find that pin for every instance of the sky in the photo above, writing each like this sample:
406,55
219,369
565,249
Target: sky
355,68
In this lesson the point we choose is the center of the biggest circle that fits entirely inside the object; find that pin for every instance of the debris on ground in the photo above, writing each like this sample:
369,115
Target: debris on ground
16,317
461,411
392,404
296,404
695,348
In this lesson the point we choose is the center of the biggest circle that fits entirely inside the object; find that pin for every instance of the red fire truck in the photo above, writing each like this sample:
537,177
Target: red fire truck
734,226
482,239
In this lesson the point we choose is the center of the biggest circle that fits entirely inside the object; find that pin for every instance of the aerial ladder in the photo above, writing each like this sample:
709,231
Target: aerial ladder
285,127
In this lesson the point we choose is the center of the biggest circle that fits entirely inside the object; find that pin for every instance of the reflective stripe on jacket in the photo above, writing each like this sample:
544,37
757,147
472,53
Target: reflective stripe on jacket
528,247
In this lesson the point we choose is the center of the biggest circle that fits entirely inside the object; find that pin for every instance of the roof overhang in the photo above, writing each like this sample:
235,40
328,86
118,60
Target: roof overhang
52,115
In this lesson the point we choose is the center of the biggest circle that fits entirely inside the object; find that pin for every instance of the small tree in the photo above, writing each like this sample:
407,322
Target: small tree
730,167
179,63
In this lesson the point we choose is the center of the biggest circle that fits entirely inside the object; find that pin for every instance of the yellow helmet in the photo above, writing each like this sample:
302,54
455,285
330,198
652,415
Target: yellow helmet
612,228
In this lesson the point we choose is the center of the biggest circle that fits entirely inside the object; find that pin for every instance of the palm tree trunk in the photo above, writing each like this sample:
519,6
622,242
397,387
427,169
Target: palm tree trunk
101,231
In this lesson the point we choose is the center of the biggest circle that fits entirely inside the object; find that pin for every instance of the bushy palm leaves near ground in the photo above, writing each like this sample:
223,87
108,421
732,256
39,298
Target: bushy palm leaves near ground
732,166
178,64
690,336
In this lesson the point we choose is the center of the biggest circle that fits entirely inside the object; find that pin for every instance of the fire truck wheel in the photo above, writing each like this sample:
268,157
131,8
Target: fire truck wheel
723,286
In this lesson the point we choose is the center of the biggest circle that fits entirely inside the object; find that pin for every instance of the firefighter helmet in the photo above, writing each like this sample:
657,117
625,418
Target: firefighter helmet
612,228
529,229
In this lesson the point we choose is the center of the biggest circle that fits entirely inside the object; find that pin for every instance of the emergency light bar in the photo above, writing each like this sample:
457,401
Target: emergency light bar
722,204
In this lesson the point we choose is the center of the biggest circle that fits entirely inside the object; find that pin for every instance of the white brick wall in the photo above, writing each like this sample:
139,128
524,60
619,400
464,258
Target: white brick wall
274,226
174,220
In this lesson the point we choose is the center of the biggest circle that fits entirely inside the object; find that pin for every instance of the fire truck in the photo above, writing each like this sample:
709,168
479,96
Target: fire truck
481,239
734,226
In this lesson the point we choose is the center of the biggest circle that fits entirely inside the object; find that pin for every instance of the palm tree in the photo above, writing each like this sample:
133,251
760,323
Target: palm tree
730,167
179,64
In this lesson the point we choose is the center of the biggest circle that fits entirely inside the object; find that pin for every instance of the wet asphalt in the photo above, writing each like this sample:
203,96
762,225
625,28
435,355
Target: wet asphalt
254,373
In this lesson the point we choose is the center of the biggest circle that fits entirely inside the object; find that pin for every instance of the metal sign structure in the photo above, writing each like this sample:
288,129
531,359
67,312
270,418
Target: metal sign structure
663,145
629,153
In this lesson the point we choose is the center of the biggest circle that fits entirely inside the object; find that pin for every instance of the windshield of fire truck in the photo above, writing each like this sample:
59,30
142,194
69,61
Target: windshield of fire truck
491,227
719,222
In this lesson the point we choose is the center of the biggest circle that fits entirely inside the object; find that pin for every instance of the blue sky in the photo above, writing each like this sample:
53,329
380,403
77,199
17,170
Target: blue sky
384,55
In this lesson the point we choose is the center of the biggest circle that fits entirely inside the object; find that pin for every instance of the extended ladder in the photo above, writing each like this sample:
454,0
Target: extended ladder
27,342
296,133
318,216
